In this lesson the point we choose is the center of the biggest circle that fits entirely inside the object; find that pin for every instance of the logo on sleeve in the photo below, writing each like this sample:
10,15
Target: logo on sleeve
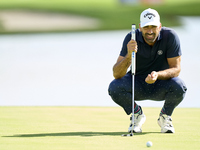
160,52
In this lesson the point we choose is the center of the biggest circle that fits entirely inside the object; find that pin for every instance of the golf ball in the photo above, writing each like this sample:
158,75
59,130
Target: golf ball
149,144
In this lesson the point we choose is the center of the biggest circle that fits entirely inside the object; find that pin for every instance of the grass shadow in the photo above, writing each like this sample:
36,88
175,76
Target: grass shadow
82,134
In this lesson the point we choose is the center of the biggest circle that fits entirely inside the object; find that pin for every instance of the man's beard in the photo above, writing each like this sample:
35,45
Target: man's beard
150,38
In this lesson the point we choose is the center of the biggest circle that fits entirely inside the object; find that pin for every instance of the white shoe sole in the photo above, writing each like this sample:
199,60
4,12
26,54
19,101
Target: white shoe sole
165,129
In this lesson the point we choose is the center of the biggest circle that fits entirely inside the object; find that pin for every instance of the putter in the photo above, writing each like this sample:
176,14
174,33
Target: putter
133,79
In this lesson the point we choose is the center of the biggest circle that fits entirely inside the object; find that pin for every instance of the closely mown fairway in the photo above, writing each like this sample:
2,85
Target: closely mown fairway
92,128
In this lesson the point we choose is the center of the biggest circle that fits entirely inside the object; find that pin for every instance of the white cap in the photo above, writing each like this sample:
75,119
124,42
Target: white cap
149,17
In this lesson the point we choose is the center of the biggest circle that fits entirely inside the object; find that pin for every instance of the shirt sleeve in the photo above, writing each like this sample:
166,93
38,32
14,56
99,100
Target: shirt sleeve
124,45
173,45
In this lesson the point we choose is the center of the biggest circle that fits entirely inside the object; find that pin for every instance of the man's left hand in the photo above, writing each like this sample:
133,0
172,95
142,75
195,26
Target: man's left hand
151,78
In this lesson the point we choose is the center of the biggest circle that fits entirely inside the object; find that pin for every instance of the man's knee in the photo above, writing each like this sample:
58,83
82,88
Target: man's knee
114,87
178,85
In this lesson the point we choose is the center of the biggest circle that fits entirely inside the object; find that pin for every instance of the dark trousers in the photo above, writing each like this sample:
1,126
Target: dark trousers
172,91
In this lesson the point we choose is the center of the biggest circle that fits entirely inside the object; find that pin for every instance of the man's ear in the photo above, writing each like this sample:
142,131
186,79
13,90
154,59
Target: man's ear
140,27
160,26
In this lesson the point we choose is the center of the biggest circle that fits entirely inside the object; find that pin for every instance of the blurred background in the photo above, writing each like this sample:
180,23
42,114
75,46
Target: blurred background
61,52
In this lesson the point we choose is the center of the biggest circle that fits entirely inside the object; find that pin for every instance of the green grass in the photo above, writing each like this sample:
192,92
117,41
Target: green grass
111,13
92,128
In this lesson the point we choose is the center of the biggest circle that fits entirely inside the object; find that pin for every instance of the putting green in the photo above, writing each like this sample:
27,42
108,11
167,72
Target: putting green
92,128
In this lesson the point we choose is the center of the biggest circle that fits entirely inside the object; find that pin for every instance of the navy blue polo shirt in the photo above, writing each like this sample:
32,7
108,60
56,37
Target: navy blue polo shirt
154,58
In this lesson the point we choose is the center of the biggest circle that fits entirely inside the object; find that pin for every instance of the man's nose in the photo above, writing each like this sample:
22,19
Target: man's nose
150,30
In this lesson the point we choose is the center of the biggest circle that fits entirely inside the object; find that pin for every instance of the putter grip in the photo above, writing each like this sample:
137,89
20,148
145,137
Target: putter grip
133,53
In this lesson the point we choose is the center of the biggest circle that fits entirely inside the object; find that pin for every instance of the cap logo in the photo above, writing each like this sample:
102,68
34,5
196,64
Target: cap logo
149,15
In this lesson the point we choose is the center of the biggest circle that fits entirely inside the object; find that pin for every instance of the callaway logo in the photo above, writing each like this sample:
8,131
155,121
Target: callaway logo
149,15
160,52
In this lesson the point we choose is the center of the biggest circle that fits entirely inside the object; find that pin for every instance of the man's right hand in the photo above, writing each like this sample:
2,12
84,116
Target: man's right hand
132,47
